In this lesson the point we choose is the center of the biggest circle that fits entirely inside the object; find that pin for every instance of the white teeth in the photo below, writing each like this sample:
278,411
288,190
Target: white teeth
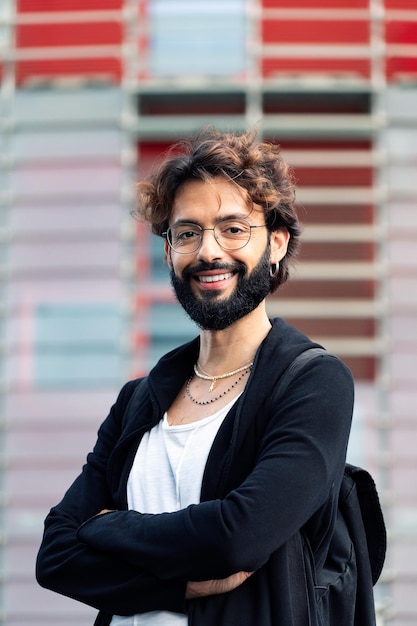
213,279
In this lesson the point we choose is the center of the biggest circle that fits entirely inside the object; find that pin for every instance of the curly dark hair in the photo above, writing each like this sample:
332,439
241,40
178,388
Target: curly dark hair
256,167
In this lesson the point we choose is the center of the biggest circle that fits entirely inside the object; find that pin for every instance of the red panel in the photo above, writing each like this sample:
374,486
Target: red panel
339,214
315,31
348,327
363,368
323,144
108,68
70,34
400,67
150,153
337,251
317,4
153,149
334,176
275,67
329,289
29,6
401,4
401,32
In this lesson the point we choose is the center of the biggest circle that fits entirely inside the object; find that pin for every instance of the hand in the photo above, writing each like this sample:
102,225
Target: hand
203,588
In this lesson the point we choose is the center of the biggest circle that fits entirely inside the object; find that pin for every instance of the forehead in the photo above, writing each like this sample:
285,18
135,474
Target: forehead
197,198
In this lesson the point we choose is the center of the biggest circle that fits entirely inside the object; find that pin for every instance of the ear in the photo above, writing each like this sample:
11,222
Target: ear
279,244
167,250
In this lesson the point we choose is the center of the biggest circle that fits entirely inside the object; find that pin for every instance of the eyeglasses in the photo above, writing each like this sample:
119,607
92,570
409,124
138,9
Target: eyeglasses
230,234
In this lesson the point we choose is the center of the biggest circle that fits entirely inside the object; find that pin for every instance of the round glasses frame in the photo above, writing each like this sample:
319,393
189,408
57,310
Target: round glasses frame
238,242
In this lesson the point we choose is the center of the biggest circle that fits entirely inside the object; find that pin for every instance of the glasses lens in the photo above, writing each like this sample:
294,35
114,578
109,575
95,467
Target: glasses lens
184,238
232,234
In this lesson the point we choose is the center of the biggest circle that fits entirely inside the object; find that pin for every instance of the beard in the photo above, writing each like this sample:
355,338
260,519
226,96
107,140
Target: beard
210,312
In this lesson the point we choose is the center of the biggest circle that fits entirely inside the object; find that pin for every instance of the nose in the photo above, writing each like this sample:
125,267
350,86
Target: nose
209,247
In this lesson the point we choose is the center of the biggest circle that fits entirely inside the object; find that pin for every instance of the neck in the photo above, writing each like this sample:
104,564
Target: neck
226,350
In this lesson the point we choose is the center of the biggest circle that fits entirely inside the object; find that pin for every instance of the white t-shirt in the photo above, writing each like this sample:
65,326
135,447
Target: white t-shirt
166,476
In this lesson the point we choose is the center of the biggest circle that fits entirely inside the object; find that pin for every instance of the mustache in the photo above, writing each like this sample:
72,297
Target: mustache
202,266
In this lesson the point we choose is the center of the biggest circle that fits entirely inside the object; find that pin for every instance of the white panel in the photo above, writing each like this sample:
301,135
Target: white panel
24,598
71,219
401,102
403,328
401,143
403,254
67,143
402,179
61,256
29,406
94,180
45,447
402,217
403,367
403,294
25,290
68,105
403,402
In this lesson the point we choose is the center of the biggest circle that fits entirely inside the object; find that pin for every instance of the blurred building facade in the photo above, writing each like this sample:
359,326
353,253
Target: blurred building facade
91,93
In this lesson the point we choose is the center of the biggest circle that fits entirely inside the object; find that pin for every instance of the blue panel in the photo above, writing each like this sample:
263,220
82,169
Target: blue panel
159,267
78,370
77,345
203,38
169,328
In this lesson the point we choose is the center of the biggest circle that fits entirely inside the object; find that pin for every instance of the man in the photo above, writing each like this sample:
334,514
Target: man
199,477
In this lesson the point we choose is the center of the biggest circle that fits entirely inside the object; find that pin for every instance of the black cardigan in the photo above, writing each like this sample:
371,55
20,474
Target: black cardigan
273,468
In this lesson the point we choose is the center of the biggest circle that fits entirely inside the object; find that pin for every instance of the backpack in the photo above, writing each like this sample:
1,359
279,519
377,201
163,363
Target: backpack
344,585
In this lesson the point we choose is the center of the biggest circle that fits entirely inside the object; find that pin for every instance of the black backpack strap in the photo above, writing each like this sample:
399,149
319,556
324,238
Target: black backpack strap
372,517
296,562
298,581
369,527
293,369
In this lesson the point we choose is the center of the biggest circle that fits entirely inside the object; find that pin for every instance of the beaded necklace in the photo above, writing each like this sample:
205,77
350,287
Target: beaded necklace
204,402
198,370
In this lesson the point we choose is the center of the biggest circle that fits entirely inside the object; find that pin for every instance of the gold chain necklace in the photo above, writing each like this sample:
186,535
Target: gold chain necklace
198,370
202,403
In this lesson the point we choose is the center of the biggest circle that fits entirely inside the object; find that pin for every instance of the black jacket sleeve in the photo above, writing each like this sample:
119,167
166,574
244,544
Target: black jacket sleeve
298,470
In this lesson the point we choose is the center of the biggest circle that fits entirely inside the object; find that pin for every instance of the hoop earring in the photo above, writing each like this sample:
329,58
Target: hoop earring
273,269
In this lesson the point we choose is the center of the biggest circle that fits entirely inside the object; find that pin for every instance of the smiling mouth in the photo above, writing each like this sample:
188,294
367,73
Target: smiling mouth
214,278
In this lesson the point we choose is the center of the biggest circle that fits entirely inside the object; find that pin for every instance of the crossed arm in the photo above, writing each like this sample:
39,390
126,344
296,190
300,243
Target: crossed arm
126,562
203,588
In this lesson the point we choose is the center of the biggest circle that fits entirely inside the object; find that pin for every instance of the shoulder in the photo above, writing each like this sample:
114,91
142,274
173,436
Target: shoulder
122,406
295,364
127,392
328,371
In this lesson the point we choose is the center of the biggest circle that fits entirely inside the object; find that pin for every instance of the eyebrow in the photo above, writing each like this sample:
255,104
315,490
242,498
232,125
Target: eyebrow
233,216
